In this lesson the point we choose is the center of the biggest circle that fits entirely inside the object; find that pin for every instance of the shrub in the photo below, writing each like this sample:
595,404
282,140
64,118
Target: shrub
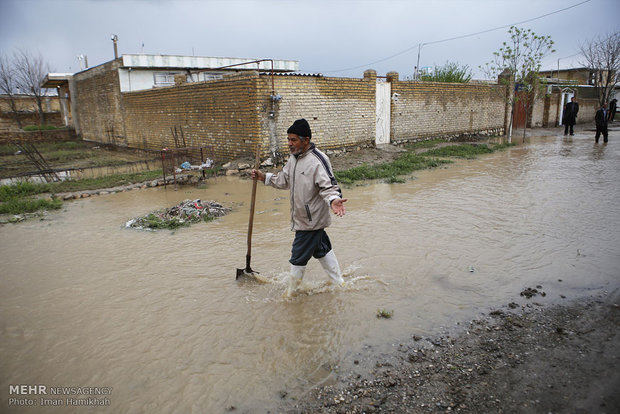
451,72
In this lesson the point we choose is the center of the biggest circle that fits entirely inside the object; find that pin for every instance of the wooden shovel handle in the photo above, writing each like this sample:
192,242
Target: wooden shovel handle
252,204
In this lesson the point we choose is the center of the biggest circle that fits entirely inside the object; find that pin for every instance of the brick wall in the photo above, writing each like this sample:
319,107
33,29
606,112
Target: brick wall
552,108
8,123
587,110
233,114
222,114
340,111
431,109
29,104
537,114
99,103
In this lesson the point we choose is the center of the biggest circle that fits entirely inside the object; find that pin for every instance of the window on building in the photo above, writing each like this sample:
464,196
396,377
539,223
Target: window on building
164,78
206,76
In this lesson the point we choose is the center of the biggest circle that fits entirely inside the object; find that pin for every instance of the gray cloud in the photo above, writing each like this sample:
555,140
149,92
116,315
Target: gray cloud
325,36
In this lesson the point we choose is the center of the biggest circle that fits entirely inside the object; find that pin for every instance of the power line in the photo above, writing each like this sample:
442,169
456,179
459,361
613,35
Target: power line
595,44
419,45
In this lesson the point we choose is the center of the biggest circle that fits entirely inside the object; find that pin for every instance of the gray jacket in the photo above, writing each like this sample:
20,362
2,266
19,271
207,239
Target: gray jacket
313,188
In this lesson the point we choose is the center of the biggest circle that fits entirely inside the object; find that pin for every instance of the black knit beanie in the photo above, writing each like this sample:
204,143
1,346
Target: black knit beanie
301,128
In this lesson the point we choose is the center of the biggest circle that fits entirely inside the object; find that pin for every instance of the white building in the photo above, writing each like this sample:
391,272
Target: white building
139,71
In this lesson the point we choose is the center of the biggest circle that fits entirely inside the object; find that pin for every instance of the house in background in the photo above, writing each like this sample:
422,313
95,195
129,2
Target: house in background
575,82
578,76
575,76
93,95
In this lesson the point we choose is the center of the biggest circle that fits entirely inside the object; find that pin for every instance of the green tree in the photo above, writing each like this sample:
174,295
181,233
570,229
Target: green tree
451,72
518,62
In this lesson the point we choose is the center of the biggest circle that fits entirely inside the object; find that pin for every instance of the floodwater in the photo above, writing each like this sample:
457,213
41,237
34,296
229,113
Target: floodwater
89,172
159,317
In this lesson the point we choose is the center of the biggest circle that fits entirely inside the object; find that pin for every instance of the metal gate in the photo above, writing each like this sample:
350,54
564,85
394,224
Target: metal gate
567,95
520,110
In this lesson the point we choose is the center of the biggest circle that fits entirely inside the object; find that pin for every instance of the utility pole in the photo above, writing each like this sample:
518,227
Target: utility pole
114,39
417,67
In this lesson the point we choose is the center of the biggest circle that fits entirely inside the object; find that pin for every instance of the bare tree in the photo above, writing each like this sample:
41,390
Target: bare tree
31,70
602,57
8,86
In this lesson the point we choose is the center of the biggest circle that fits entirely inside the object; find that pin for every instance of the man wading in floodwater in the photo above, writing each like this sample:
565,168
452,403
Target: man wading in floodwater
308,173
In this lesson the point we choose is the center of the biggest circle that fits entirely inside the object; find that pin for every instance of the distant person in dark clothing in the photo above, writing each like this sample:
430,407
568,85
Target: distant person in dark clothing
569,118
612,109
601,123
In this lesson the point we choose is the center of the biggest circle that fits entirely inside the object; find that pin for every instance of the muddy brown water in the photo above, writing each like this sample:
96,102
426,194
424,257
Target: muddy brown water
158,316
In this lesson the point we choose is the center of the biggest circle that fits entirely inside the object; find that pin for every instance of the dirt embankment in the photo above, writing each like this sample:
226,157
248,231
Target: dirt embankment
531,359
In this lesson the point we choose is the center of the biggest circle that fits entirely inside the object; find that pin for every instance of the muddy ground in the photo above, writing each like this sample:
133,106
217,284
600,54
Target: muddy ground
531,358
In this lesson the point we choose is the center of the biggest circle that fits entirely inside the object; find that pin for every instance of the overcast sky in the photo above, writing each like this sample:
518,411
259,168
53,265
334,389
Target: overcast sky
336,37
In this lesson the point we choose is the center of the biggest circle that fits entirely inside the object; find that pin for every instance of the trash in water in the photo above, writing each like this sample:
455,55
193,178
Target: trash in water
183,214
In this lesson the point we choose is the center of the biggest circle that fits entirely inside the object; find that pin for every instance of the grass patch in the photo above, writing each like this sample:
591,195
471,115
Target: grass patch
25,189
107,181
467,151
20,190
45,147
499,147
395,180
424,144
66,155
18,198
28,205
39,127
403,165
408,162
382,313
7,149
63,146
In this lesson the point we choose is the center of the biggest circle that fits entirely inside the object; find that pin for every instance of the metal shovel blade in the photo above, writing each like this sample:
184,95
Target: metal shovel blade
244,272
247,271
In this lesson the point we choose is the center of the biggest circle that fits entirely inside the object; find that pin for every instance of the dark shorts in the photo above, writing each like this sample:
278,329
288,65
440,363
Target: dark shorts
308,244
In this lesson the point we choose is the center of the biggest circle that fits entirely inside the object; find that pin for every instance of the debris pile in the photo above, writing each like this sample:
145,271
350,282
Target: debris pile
183,214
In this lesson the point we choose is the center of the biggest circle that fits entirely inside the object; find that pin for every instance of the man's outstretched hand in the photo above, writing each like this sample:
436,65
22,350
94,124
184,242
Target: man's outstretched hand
338,206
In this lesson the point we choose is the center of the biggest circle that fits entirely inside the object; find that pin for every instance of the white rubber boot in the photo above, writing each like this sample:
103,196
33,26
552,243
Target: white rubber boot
331,267
297,274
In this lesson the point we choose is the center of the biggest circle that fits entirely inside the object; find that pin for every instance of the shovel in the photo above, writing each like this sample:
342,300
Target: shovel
248,270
